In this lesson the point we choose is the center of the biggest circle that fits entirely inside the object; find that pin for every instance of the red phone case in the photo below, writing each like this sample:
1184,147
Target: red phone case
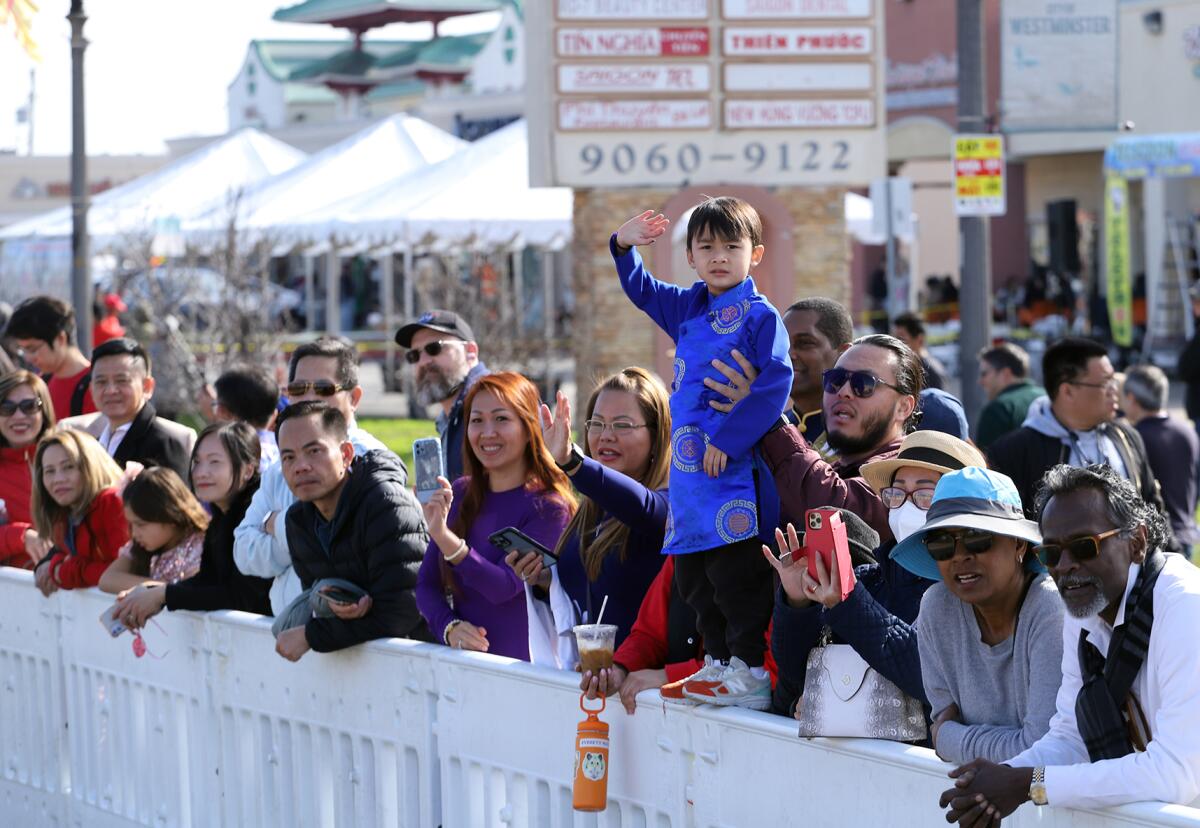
826,536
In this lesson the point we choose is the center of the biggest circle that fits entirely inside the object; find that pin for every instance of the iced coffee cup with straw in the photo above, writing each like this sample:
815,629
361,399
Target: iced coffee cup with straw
596,643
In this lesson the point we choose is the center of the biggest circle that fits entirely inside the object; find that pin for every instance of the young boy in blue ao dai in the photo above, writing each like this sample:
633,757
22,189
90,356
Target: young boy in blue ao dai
723,504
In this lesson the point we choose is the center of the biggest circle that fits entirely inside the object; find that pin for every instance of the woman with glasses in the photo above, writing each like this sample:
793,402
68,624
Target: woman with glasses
613,545
990,634
877,617
26,414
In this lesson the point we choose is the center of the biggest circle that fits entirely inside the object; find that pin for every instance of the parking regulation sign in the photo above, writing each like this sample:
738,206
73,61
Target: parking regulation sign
979,175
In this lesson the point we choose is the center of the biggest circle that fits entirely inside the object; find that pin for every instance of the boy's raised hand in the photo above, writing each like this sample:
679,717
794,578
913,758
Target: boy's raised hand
643,229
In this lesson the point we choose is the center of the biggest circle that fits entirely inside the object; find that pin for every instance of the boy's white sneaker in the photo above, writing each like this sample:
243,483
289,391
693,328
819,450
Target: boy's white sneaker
710,673
737,687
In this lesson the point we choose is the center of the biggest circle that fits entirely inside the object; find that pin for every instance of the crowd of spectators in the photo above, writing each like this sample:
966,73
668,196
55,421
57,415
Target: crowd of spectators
988,598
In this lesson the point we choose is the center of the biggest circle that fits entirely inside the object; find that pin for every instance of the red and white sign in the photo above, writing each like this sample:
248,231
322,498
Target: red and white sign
794,9
642,42
634,77
740,41
806,114
797,77
575,115
631,9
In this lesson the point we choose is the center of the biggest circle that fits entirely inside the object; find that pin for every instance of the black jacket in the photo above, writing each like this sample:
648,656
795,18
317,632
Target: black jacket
220,584
150,444
1189,372
378,541
1026,454
454,428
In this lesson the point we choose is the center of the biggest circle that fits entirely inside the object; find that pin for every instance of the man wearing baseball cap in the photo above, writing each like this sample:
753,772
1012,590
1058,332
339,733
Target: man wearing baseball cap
441,347
109,326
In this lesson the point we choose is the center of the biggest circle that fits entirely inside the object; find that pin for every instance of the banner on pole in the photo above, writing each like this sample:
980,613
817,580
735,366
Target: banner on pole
979,175
1116,262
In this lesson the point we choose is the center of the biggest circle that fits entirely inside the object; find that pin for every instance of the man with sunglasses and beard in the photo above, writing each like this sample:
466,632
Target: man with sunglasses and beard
445,359
1127,728
325,370
869,403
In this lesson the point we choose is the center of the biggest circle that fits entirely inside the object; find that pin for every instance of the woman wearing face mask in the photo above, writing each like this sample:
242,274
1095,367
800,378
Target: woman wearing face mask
990,632
877,617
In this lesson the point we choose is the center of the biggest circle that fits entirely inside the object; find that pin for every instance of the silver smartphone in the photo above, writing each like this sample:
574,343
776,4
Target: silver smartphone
427,456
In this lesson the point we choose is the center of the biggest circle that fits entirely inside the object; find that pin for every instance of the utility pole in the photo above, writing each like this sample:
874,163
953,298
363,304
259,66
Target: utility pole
975,300
81,279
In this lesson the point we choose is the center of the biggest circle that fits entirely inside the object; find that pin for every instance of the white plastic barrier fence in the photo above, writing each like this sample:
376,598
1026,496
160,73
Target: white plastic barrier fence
218,730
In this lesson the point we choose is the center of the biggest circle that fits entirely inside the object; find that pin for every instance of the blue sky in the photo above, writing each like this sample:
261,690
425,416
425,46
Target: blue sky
156,69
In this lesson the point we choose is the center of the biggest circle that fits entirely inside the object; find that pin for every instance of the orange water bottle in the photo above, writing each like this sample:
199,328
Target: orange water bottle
591,761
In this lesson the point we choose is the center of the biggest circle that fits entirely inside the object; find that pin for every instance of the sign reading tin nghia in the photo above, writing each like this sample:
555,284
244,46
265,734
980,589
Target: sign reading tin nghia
979,175
630,93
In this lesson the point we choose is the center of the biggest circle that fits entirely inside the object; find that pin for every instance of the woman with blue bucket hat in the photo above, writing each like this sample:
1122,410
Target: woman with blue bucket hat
990,632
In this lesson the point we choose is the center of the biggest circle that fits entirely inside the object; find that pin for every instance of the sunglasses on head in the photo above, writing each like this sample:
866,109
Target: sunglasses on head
413,355
862,383
1080,549
27,407
941,543
322,388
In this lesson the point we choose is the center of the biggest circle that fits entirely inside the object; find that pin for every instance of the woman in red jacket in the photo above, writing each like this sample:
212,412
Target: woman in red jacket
76,503
26,415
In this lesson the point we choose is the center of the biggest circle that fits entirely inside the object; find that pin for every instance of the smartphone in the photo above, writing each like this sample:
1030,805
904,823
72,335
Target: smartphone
340,596
427,455
108,619
826,536
512,538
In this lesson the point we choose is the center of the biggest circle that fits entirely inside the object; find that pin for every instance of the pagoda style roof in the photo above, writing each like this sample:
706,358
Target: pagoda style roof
360,15
282,58
387,62
450,55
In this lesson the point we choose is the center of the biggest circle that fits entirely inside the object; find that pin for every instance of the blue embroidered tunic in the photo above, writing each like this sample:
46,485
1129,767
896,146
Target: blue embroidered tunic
705,512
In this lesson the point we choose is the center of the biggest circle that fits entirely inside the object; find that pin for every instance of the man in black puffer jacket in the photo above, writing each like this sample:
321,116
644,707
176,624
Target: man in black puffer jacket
356,535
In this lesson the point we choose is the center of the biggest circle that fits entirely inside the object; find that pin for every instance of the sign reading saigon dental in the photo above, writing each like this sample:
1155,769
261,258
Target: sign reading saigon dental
629,93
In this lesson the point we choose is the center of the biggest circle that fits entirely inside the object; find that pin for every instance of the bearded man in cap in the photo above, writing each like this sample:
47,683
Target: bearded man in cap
441,347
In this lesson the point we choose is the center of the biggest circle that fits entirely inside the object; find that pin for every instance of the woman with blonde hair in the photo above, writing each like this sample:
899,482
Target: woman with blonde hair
613,545
26,414
470,598
77,506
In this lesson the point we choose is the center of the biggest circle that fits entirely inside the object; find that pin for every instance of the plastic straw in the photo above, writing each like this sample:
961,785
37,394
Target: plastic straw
603,604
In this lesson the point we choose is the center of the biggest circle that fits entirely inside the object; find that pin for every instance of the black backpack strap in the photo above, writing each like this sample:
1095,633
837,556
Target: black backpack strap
79,393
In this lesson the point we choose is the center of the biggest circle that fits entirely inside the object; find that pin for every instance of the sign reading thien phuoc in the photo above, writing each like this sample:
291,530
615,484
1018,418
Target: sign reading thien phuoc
629,93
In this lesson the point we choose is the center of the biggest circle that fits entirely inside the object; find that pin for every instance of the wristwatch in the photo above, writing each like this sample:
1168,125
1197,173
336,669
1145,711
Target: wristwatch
574,461
1037,787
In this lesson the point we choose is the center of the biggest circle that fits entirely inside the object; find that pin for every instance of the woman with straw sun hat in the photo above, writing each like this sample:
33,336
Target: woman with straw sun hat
876,617
990,633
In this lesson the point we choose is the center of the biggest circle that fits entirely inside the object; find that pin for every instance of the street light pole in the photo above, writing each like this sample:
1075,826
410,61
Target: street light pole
975,312
81,281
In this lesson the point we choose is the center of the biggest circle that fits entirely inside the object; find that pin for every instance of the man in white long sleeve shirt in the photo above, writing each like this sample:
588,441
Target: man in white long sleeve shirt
326,370
1127,726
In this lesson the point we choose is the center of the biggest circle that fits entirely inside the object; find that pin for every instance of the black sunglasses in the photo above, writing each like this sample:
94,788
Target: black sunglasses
941,543
1080,549
27,407
413,355
322,388
862,383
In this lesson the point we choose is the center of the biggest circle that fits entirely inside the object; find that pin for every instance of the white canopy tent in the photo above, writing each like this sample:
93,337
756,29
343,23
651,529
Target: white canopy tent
479,195
391,149
174,193
35,254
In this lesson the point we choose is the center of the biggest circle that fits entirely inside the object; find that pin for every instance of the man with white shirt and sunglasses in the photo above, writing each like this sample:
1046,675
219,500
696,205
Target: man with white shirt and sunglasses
325,370
1127,726
441,348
